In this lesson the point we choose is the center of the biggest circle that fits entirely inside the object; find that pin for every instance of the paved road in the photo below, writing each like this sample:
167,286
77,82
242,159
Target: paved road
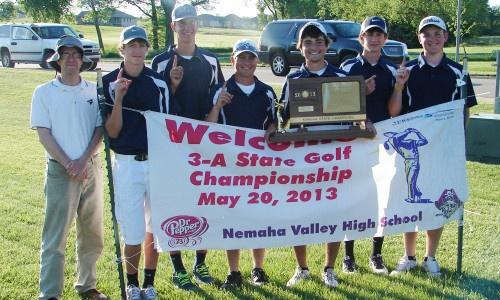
481,84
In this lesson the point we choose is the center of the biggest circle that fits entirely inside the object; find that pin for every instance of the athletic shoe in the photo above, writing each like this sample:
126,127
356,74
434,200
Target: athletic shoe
233,280
348,265
299,275
149,293
431,266
377,264
133,292
183,281
259,277
201,274
330,278
404,265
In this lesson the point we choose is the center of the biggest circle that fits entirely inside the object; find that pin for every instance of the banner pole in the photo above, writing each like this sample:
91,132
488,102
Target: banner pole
107,150
463,95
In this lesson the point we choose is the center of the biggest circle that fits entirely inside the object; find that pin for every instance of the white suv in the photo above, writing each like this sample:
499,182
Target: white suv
35,43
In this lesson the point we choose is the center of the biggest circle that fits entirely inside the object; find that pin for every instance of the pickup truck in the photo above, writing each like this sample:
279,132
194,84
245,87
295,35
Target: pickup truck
35,43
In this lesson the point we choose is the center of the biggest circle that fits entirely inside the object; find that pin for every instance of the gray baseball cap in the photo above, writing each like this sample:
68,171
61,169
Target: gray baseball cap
69,42
432,20
244,46
374,22
133,32
183,11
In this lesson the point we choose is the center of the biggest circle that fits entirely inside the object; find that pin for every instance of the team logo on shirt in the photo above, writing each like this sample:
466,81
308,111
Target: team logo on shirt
184,230
448,203
90,101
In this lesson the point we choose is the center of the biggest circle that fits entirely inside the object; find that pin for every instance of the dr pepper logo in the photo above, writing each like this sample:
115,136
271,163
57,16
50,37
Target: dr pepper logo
184,230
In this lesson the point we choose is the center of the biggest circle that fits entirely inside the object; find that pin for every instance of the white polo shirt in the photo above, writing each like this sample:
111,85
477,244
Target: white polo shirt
70,112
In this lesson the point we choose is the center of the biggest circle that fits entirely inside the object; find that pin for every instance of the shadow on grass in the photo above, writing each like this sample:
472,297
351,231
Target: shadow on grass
417,285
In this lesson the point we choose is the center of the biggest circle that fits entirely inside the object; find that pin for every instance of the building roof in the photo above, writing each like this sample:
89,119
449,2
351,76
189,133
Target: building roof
116,14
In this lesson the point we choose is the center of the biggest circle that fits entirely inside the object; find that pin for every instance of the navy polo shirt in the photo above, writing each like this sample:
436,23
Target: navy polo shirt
250,111
376,103
201,74
303,72
428,85
148,91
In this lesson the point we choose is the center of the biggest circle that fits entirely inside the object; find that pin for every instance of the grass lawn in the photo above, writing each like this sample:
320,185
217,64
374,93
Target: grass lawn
22,208
218,40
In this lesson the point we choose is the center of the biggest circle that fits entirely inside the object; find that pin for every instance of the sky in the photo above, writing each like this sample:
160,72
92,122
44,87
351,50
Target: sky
245,8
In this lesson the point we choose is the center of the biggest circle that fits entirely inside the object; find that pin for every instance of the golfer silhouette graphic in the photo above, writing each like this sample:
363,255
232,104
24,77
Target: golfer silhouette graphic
406,144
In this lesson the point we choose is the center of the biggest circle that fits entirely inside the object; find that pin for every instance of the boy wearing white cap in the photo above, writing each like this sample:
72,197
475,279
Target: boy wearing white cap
244,101
434,79
134,86
65,114
193,74
386,82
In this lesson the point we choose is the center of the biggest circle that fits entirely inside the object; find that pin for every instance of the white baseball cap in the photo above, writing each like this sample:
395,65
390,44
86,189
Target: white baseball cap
314,24
432,20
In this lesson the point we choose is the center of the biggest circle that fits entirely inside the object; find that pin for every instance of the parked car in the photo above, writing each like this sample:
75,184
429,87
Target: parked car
35,43
278,44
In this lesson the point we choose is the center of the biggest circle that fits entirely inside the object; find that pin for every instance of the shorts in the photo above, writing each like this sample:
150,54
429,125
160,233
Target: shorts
132,204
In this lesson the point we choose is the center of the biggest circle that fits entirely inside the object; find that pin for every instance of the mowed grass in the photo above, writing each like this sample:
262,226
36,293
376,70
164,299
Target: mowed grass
218,40
22,208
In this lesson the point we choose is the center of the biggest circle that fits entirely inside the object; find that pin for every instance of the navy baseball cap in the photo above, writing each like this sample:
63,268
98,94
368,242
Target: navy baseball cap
133,32
320,27
432,20
373,22
69,42
244,46
183,11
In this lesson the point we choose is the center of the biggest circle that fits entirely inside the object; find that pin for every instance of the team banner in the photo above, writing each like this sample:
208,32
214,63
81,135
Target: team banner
216,186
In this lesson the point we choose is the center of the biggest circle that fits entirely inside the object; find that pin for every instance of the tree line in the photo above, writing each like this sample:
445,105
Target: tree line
403,16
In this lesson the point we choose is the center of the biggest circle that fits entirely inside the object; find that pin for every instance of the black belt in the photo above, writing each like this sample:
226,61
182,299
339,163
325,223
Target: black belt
141,157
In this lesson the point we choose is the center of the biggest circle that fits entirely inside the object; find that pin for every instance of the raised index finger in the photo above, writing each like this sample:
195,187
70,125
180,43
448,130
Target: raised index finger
174,64
120,74
403,63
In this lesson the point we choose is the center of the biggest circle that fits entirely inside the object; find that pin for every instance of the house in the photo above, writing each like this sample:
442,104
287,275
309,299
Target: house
229,21
118,18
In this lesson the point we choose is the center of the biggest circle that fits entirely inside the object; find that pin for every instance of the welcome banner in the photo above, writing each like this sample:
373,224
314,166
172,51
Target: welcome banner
222,187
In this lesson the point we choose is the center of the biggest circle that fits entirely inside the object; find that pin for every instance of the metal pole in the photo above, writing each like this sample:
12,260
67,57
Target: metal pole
463,95
458,32
107,151
497,89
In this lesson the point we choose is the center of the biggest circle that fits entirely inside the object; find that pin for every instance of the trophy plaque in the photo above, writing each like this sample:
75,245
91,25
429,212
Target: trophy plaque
338,102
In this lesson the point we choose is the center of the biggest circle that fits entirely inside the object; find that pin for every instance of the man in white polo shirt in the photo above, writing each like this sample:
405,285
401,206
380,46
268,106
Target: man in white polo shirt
65,114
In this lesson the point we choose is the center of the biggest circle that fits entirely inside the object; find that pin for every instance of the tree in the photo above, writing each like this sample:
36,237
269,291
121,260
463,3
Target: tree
404,16
7,11
100,10
148,8
278,8
46,10
168,6
493,23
